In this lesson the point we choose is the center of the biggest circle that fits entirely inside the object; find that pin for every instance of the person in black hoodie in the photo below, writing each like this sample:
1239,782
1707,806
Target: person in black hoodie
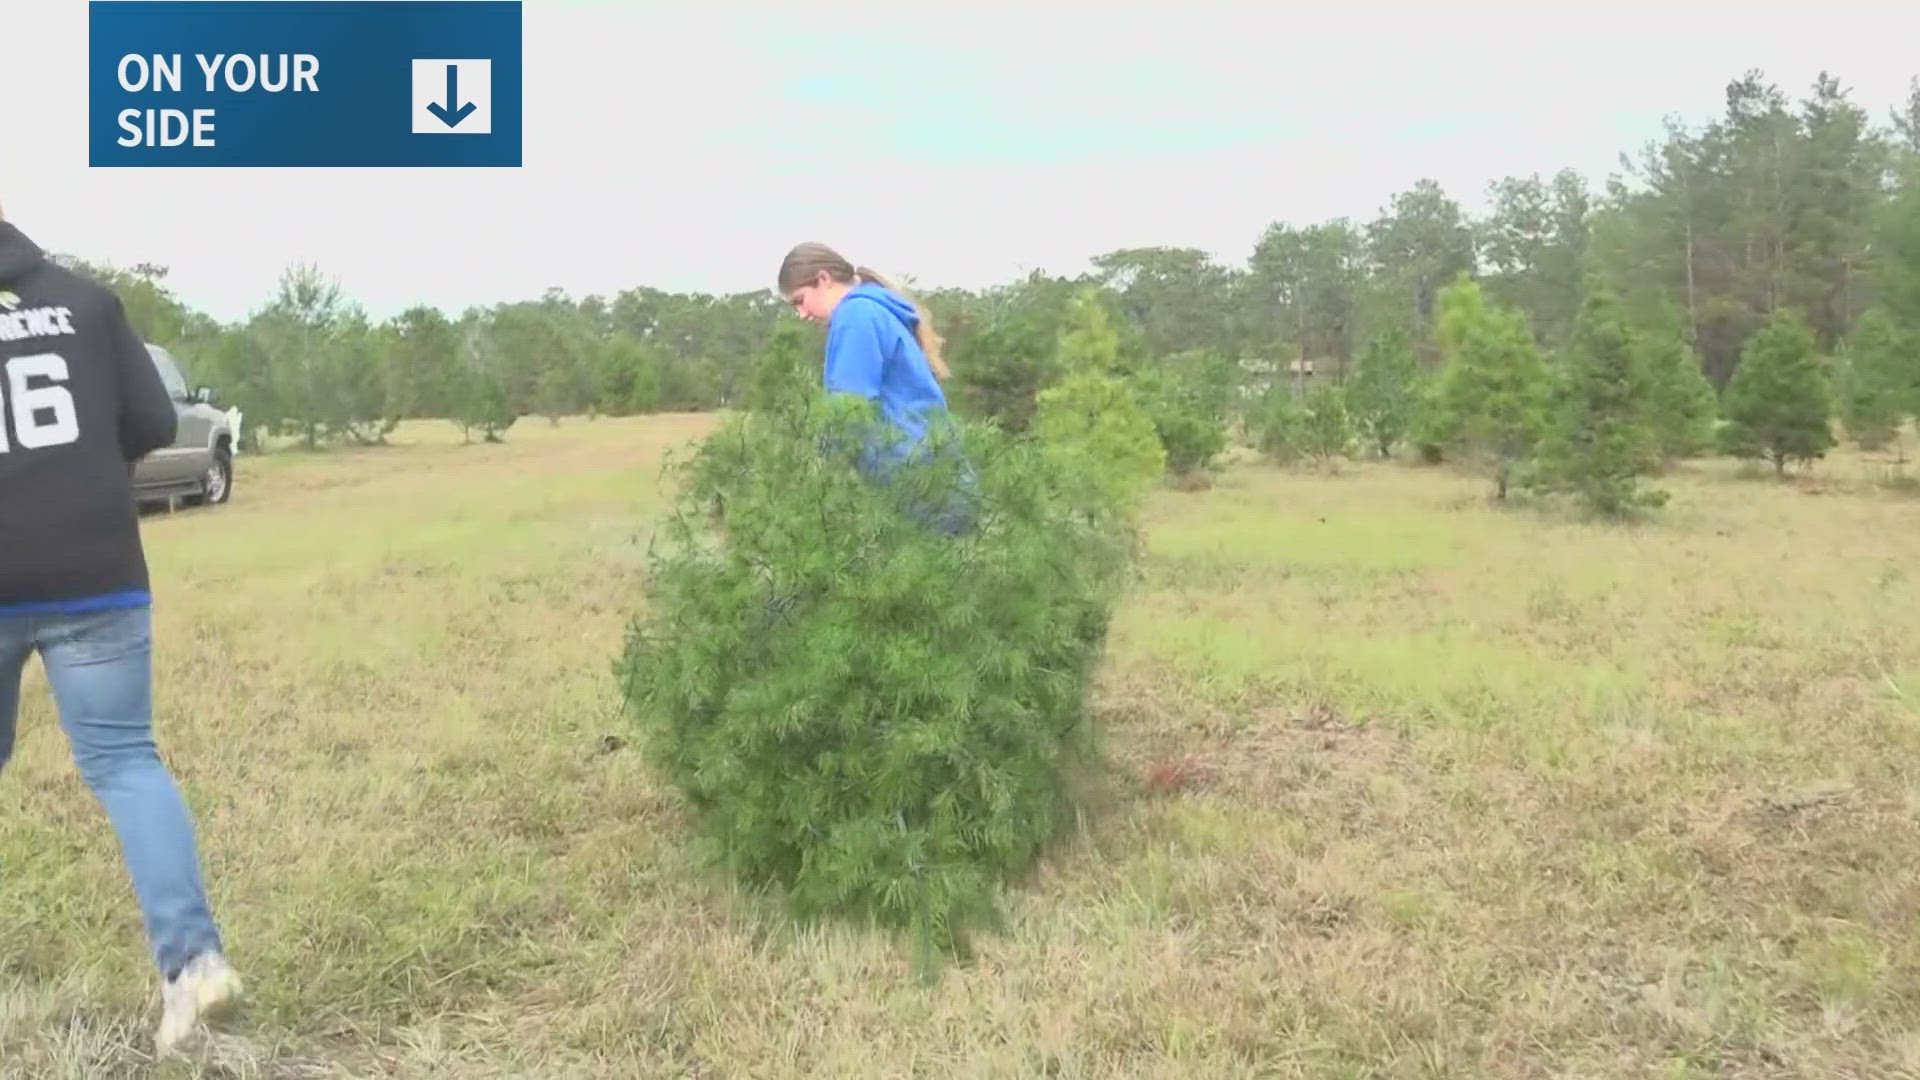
80,403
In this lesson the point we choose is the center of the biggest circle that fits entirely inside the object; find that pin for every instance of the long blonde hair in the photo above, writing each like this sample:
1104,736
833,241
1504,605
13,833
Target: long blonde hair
806,261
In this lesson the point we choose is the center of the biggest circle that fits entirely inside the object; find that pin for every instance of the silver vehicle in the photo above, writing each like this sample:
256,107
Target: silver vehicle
198,467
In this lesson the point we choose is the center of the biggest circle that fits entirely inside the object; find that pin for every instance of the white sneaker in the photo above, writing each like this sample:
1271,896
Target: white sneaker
207,987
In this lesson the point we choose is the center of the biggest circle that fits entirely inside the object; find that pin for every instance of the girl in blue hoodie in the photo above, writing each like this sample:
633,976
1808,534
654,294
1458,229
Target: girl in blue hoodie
881,346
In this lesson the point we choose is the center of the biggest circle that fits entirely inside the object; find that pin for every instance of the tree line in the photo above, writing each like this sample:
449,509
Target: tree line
1738,285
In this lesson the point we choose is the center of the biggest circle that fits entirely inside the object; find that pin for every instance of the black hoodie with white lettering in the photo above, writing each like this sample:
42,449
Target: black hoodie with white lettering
80,402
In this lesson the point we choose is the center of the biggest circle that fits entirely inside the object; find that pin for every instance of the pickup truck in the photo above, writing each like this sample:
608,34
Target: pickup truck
198,467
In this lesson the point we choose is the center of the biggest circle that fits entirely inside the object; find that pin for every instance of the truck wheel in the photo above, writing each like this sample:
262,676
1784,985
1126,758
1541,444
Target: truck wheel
216,485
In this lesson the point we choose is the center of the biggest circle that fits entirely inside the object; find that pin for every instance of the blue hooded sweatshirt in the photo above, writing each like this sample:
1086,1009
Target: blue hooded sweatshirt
871,351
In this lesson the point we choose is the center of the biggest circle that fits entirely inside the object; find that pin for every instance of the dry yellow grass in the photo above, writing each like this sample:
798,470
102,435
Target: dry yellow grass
1404,785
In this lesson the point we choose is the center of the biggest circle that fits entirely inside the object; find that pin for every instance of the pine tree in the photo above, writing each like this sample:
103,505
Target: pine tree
1880,380
1779,405
1326,428
1092,416
1187,411
1001,370
628,377
1683,406
1899,240
1431,430
1214,379
481,397
1494,384
873,717
787,366
1601,439
1385,391
554,391
422,354
1276,424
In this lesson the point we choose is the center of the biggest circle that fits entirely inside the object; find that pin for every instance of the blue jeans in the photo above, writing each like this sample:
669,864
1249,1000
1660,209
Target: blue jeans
100,668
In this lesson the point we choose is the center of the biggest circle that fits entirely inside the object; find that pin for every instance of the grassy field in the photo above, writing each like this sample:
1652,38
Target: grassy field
1404,785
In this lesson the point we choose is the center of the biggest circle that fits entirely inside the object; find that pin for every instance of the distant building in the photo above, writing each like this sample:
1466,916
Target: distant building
1262,373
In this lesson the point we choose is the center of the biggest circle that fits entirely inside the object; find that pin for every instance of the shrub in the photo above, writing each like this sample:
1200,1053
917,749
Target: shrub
1276,424
871,715
1385,392
1779,404
1187,415
1431,430
1326,427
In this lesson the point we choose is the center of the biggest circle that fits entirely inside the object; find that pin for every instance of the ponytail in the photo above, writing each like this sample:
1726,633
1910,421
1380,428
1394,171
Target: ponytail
923,331
808,260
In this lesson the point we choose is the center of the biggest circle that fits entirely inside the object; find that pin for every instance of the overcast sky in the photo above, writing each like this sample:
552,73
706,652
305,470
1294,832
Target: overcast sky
961,143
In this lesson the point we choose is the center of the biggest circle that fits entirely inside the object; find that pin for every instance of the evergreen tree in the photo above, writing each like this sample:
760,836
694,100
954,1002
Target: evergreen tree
1385,391
554,392
1492,398
1430,430
422,353
1325,429
1277,423
481,395
1532,246
878,719
1000,371
1093,415
1898,286
1601,439
786,366
1682,407
1187,412
234,363
628,379
357,406
298,333
1880,380
1214,381
1906,122
1779,405
1421,243
1836,188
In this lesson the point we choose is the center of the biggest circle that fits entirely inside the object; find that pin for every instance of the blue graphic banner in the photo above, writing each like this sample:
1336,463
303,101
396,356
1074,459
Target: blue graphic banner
305,83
